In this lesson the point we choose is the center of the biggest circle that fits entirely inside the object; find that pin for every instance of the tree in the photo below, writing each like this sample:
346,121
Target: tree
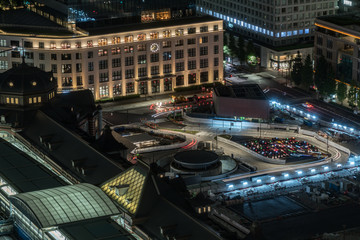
232,46
321,75
341,91
307,73
250,49
325,78
226,40
352,94
330,86
296,69
250,52
241,54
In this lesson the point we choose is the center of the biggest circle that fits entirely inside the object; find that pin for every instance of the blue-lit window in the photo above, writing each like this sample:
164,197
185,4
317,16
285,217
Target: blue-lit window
307,31
301,31
242,23
283,34
201,9
295,32
210,12
289,33
256,28
245,24
277,35
227,18
267,32
272,34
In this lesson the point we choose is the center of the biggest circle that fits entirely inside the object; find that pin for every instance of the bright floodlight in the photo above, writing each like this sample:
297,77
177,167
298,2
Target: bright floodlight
345,127
299,172
245,183
286,175
339,126
351,129
294,109
335,125
272,178
308,115
326,168
301,112
313,170
258,181
352,163
313,117
231,186
338,165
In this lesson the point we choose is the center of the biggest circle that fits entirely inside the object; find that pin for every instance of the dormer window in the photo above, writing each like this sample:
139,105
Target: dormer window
11,84
34,83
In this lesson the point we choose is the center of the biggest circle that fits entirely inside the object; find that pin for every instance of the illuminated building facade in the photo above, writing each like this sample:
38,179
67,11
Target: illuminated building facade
274,25
143,58
337,38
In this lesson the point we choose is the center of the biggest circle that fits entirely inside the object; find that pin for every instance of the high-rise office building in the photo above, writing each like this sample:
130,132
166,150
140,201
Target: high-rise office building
280,27
89,10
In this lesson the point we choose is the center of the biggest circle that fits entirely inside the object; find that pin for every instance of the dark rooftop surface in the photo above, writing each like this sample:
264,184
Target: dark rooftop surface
142,137
269,208
25,17
96,229
26,80
248,91
70,147
71,107
28,22
127,26
23,172
196,157
343,20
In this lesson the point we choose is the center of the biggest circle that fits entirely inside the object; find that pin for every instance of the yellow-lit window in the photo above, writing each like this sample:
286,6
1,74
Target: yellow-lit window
39,99
16,101
129,38
34,99
209,208
154,35
7,100
199,210
30,100
12,100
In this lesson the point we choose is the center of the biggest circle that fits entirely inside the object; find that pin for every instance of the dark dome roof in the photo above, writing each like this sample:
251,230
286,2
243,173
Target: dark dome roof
24,79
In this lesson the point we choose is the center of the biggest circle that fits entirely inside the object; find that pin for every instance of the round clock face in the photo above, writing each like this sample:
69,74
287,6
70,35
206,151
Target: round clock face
154,47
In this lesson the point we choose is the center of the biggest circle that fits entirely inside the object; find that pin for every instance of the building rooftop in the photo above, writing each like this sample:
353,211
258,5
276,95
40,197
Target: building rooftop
26,80
95,229
158,209
246,91
344,20
94,28
56,206
23,21
24,173
70,151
